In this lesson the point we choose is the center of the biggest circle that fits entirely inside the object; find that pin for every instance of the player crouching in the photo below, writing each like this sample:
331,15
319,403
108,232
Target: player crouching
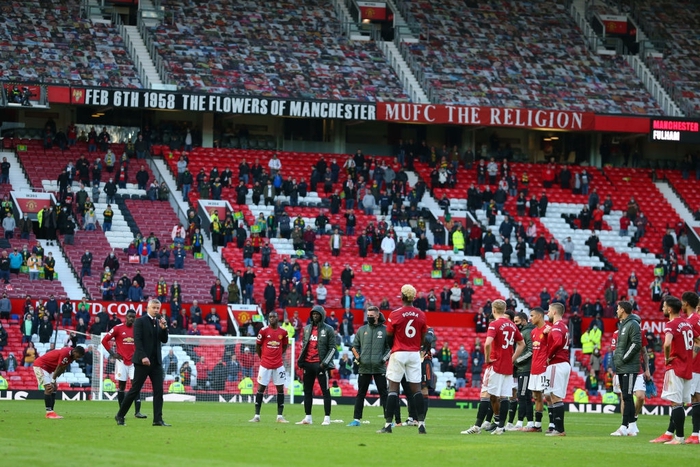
49,367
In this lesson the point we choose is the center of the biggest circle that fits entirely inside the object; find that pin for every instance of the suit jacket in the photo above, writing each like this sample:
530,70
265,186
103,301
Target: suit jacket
146,340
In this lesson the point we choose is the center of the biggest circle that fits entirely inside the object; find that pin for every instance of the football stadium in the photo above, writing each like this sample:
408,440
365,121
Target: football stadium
492,205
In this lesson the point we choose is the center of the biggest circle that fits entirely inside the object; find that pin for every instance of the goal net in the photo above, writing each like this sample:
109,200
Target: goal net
197,368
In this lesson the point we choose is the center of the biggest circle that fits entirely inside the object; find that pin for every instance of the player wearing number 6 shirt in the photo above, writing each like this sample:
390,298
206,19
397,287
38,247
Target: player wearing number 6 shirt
678,352
271,344
123,335
558,369
498,375
406,327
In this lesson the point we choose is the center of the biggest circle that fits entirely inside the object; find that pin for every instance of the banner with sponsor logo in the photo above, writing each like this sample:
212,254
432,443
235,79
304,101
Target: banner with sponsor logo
32,203
485,116
614,24
372,10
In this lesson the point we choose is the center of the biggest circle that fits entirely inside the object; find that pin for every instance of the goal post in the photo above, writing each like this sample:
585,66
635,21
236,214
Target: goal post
207,368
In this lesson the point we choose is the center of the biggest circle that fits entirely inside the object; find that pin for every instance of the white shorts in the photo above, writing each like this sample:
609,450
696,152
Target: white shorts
123,371
558,379
676,390
497,384
277,376
639,384
538,383
695,384
42,376
404,363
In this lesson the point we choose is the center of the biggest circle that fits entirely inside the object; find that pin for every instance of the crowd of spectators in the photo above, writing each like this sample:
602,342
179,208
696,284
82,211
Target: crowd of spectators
290,48
675,23
42,40
519,54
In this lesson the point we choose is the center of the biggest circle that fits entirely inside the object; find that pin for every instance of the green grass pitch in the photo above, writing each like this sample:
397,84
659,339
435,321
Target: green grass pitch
218,434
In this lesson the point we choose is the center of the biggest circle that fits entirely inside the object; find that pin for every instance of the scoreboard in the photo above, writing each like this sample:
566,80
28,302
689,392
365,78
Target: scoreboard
675,130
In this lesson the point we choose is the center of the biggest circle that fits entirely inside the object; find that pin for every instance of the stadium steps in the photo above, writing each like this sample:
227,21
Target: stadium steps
409,81
18,176
142,58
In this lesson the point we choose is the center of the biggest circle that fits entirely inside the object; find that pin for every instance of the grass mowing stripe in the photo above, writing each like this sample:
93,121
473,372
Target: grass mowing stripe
213,434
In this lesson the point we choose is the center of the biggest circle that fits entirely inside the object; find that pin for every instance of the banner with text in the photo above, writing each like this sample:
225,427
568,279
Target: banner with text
163,100
485,116
435,114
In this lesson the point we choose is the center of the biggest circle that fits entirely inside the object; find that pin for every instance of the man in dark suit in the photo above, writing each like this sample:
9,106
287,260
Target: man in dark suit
149,332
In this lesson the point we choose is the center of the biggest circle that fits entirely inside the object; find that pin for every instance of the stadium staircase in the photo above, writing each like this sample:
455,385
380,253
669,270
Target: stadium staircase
150,77
66,284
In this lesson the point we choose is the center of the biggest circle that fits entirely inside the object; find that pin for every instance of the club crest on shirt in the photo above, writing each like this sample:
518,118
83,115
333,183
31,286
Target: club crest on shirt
380,335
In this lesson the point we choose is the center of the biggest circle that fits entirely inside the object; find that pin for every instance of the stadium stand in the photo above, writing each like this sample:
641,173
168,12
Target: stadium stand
48,41
675,25
298,166
523,54
291,48
518,54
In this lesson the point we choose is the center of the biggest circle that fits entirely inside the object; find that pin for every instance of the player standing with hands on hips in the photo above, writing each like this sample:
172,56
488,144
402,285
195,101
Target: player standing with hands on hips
406,329
150,332
316,359
271,344
123,335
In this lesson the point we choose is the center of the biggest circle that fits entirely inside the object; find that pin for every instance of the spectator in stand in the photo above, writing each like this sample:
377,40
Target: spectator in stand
545,299
388,246
217,292
481,320
9,225
359,300
553,249
247,362
30,355
214,320
592,383
477,361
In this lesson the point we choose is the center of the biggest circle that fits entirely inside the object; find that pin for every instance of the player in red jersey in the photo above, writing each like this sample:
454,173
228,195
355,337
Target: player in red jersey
123,335
678,354
558,369
538,368
498,375
271,344
406,329
50,366
690,302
